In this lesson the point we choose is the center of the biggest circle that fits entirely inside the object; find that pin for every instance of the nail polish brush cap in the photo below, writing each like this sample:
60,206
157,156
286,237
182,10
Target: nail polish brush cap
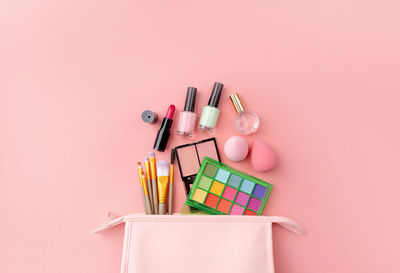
216,95
190,99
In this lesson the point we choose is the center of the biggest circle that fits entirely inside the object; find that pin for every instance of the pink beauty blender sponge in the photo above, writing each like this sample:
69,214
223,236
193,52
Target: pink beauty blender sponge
236,148
263,157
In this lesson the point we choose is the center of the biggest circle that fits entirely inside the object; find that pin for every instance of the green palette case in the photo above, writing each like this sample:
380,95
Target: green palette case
220,189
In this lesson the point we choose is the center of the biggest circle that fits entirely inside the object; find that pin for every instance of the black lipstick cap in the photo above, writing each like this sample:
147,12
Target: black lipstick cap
216,94
190,99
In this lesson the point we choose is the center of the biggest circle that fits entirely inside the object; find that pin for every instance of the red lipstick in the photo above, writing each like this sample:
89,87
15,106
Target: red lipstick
170,112
163,134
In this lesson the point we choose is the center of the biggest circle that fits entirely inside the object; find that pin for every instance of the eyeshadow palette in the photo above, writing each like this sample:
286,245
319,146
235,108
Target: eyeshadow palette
189,157
220,189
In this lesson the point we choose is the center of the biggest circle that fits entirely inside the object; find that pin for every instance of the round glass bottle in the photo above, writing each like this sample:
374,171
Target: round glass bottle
246,122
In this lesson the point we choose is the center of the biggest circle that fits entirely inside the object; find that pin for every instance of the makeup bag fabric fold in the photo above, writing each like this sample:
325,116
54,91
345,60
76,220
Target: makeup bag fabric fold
197,244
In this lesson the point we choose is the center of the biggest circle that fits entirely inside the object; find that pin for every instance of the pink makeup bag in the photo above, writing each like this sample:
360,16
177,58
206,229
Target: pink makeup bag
199,243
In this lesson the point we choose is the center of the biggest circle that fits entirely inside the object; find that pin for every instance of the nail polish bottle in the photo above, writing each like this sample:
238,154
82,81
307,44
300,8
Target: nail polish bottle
246,122
210,113
187,118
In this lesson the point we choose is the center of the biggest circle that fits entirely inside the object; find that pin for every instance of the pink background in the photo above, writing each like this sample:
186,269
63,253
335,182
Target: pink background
75,76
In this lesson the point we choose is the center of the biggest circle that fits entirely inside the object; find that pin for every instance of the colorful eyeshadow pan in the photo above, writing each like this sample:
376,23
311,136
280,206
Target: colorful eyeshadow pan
210,170
247,186
254,204
222,175
217,188
220,189
242,198
259,191
237,210
249,212
212,200
205,183
234,181
229,193
224,206
199,195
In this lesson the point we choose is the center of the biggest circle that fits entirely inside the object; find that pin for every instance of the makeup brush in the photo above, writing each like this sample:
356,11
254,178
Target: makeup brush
153,173
162,183
141,187
145,189
148,180
171,183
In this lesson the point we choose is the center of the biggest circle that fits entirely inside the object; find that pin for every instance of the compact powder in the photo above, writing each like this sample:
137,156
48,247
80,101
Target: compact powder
188,160
207,148
189,157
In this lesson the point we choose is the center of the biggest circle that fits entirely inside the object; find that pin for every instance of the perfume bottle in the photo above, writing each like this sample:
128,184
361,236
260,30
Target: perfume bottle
246,122
210,113
187,118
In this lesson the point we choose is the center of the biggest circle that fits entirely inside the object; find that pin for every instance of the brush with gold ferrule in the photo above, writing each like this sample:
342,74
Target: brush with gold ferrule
147,206
153,173
162,183
148,180
171,183
141,188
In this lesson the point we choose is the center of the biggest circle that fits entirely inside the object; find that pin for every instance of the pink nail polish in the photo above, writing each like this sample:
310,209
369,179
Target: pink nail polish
187,118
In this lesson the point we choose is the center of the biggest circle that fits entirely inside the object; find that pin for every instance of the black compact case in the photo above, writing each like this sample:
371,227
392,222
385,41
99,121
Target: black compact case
190,156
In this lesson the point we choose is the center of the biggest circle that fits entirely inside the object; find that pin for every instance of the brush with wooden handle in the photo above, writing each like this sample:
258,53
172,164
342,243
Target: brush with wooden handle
153,173
162,183
171,183
143,183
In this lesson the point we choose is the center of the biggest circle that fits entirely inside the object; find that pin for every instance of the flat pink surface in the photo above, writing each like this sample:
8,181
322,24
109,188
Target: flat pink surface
75,76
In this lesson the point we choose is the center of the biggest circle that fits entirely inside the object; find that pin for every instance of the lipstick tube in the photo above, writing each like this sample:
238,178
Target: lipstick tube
163,134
